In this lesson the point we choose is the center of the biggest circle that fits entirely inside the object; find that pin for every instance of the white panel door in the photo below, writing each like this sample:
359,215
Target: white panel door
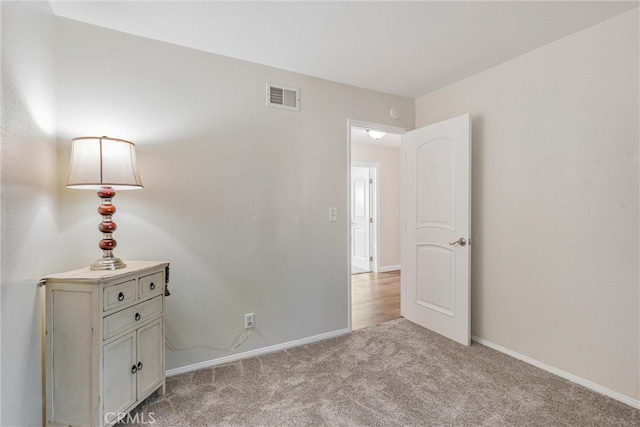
360,214
437,210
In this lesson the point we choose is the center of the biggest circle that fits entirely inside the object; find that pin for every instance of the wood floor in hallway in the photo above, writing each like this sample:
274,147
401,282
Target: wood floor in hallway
375,298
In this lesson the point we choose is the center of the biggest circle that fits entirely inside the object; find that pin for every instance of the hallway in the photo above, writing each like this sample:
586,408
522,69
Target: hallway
375,298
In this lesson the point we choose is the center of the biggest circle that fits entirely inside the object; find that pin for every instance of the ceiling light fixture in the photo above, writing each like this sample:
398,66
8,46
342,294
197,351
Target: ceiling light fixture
376,134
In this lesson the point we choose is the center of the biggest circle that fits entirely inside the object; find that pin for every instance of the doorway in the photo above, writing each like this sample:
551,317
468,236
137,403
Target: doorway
436,175
374,226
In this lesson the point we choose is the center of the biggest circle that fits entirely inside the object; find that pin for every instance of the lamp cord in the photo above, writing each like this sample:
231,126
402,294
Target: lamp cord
240,339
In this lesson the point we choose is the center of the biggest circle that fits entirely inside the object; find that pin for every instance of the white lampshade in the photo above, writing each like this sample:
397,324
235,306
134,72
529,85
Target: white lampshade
103,162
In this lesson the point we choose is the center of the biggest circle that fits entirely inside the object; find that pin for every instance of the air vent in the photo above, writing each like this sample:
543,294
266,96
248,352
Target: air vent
283,97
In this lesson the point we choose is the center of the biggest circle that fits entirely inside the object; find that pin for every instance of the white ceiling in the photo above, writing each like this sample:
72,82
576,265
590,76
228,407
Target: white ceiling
398,47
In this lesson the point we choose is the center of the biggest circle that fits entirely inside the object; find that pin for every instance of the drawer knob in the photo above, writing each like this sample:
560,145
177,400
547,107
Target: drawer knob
137,316
140,366
120,296
152,286
134,369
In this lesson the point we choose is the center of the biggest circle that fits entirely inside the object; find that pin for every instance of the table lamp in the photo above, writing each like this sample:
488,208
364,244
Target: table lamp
104,164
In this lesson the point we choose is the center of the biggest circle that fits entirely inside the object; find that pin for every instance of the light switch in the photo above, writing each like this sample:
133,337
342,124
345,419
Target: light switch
333,214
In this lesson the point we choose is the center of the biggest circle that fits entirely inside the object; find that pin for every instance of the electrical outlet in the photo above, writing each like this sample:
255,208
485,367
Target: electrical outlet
249,321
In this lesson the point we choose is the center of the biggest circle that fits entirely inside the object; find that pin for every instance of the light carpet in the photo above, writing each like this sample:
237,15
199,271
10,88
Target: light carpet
393,374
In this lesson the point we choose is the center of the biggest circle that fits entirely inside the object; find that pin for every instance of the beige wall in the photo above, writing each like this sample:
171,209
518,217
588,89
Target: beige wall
388,161
27,218
555,199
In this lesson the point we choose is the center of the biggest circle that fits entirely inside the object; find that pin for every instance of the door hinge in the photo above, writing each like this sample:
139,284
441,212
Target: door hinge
370,259
370,180
370,220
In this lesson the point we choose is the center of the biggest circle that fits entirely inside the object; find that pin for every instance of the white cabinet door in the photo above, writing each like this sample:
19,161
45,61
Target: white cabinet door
119,374
150,363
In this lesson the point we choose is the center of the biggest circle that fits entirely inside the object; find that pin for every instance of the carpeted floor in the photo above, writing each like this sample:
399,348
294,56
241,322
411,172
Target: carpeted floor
393,374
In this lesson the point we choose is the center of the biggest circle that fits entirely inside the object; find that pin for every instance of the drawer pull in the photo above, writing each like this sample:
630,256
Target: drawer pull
134,369
137,316
120,296
140,366
152,286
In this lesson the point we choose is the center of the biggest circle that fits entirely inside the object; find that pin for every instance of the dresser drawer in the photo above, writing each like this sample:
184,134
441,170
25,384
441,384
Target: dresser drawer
119,295
151,286
130,318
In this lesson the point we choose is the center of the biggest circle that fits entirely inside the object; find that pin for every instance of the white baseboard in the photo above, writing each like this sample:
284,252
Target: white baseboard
566,375
257,352
386,268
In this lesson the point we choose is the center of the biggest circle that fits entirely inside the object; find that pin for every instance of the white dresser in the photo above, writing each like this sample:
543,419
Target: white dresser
104,342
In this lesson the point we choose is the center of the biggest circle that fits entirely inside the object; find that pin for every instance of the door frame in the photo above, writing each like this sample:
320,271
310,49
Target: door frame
351,123
374,206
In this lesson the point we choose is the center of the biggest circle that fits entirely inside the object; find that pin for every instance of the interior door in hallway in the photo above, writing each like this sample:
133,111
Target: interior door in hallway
360,219
437,225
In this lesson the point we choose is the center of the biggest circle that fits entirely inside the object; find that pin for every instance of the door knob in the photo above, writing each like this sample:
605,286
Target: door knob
461,241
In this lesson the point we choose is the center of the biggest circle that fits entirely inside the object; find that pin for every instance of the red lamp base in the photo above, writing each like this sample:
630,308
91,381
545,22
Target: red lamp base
107,227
